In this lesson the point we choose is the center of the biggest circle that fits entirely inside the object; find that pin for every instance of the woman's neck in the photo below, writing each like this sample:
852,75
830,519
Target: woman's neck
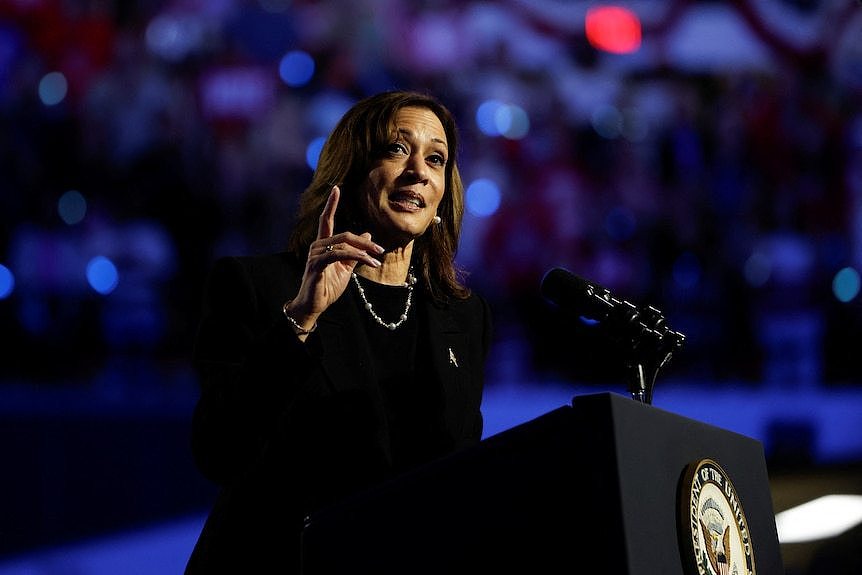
393,269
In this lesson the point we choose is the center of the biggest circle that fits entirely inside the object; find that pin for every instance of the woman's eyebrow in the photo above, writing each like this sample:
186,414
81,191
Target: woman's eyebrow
410,133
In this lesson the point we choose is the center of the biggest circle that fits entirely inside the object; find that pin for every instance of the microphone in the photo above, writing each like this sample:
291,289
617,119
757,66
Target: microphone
585,298
622,319
648,342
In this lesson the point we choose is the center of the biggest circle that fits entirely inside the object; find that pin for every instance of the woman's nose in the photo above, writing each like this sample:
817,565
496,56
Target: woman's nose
416,168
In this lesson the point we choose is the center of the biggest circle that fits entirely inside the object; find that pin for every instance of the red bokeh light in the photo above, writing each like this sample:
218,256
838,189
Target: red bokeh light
613,29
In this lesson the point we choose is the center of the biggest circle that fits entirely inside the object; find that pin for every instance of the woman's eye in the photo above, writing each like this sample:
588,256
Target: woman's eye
438,160
397,148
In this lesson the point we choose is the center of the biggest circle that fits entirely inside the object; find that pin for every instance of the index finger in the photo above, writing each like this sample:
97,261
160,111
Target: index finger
326,227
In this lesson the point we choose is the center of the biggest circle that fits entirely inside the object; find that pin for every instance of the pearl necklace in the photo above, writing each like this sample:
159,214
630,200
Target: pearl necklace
411,279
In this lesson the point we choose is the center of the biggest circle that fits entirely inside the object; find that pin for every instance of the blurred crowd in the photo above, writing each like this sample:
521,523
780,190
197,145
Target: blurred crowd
726,196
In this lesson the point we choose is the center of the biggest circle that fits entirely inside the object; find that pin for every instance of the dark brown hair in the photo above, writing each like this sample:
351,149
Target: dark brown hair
346,159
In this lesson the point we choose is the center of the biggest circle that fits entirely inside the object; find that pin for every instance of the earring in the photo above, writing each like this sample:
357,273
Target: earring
436,219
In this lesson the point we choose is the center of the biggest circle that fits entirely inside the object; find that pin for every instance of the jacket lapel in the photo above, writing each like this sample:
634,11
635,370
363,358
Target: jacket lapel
346,353
450,360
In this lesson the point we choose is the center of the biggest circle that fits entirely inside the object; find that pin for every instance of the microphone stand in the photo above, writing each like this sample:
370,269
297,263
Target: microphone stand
651,344
645,338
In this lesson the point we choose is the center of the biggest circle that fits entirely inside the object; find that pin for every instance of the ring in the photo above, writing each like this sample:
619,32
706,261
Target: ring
330,247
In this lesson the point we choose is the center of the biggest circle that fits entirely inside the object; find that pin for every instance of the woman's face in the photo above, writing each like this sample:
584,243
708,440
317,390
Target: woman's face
405,185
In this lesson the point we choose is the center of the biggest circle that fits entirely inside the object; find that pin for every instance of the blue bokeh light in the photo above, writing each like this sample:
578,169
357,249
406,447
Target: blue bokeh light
7,282
486,117
513,122
845,284
494,118
72,207
296,68
102,275
53,88
483,197
312,152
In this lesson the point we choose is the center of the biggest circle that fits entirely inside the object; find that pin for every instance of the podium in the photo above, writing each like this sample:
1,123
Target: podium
598,482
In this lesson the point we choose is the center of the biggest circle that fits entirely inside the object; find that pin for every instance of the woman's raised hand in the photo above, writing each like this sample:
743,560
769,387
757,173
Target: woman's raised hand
331,260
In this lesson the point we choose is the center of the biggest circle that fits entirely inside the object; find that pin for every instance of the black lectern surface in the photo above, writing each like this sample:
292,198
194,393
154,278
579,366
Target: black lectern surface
597,482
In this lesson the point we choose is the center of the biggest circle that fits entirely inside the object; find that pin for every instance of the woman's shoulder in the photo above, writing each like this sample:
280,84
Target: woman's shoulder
473,305
473,313
474,299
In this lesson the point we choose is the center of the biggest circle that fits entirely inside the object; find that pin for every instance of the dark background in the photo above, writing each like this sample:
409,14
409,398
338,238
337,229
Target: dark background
713,171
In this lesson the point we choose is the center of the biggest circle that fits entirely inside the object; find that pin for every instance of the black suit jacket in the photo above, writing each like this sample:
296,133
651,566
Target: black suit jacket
287,427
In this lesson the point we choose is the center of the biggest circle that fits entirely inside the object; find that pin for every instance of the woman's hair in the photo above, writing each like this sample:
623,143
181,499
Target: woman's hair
346,159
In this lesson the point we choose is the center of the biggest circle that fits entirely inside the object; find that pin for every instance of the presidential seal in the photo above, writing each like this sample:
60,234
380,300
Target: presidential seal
713,530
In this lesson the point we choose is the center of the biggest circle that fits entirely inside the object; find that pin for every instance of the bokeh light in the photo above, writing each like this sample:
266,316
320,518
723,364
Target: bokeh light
845,284
53,88
72,207
513,122
102,275
296,68
7,282
483,197
486,115
495,118
613,29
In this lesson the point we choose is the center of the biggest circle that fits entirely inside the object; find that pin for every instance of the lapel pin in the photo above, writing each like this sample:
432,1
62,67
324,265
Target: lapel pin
452,359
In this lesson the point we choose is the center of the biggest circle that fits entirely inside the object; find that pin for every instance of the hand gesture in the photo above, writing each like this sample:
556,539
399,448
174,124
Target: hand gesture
331,260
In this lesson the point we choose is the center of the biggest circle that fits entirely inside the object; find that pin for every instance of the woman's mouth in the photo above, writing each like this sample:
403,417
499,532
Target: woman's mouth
407,200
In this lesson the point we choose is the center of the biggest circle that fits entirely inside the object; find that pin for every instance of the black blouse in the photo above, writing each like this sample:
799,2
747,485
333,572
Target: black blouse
412,409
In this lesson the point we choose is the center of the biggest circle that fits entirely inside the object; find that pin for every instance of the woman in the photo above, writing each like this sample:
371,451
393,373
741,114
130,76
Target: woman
355,355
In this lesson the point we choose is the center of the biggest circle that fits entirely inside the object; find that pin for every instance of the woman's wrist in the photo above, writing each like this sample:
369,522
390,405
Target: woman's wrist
302,324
